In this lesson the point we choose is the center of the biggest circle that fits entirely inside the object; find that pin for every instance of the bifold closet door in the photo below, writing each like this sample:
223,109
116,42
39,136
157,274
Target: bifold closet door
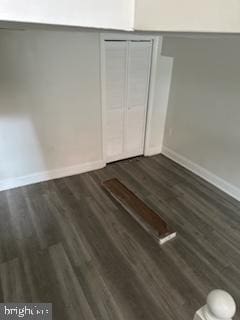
139,60
115,79
127,80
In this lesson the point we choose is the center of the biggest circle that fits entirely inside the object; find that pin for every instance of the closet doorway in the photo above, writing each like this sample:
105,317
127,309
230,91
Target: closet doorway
126,70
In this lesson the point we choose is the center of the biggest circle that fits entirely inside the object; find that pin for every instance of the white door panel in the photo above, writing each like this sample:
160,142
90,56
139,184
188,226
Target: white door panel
127,80
139,54
116,55
115,133
135,131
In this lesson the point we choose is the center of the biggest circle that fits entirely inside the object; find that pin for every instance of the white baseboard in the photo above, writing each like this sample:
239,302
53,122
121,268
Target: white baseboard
203,173
51,174
152,151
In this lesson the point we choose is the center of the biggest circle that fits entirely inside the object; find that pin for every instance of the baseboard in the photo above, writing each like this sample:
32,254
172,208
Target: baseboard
49,175
203,173
152,151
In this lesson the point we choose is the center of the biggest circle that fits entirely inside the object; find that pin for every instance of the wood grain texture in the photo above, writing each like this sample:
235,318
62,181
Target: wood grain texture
67,242
148,219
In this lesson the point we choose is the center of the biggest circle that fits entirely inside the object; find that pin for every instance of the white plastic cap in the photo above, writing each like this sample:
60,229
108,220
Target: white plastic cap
220,305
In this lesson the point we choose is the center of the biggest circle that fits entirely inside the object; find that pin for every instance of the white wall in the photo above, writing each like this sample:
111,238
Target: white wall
161,86
50,111
203,120
188,15
50,105
155,15
117,14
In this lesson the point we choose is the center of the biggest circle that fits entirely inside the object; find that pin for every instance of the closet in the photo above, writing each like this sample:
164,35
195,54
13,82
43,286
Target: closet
127,72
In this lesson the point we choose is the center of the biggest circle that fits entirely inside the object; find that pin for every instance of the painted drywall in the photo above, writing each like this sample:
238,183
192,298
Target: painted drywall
161,87
145,15
50,107
202,125
187,15
92,13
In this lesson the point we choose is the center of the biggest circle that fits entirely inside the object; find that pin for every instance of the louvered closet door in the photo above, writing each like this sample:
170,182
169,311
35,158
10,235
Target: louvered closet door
139,59
127,79
115,56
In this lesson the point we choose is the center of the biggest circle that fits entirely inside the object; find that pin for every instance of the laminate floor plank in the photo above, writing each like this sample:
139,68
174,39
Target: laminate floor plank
116,171
151,183
66,241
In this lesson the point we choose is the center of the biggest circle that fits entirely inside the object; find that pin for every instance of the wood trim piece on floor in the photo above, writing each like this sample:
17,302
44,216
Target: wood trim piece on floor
51,174
203,173
148,219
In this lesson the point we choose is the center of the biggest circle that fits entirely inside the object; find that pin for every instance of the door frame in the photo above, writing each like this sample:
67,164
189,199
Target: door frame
156,48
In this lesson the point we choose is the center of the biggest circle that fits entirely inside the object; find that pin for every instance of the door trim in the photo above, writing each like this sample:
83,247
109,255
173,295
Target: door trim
156,48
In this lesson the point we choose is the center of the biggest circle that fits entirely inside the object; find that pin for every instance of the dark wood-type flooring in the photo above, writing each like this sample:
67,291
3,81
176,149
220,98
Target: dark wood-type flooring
68,242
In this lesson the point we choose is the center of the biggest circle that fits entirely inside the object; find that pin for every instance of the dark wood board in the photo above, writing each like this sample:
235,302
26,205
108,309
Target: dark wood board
148,218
